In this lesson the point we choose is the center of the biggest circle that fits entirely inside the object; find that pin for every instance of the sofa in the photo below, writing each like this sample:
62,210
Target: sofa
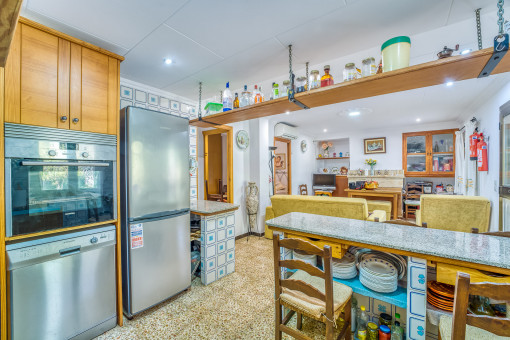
454,212
355,208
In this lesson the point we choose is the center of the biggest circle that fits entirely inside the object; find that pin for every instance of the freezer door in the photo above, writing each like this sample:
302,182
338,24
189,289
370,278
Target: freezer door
159,262
158,163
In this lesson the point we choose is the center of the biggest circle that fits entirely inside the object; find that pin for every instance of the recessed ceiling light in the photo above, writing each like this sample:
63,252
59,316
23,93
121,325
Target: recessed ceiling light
466,51
167,61
418,120
325,130
354,113
450,83
287,112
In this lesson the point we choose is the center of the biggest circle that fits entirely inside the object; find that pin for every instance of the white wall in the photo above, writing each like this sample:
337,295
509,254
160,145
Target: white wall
487,114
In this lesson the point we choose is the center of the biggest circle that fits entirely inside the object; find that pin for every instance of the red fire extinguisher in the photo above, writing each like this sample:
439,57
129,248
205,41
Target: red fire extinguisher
473,143
483,164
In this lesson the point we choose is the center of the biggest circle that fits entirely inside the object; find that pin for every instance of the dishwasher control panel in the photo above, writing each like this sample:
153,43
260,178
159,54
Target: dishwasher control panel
30,252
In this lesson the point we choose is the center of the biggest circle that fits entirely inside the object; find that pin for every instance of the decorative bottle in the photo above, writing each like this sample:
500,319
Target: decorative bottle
228,101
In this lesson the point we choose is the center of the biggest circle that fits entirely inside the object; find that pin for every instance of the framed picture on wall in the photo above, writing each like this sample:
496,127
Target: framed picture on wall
280,161
375,145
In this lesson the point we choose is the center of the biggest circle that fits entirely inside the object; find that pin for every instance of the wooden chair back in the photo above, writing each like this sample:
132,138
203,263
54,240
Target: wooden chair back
464,288
298,285
303,189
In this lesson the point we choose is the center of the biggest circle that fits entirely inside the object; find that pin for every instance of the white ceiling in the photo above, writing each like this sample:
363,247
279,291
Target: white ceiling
435,104
240,41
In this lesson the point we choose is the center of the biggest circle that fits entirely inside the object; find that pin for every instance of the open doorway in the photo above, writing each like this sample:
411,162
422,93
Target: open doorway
218,164
282,167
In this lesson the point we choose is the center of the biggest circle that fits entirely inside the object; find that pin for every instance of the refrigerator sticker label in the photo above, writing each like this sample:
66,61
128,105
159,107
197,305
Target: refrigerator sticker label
137,236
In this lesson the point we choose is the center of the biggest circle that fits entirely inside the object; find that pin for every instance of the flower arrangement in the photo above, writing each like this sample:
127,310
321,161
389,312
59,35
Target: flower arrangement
371,162
325,147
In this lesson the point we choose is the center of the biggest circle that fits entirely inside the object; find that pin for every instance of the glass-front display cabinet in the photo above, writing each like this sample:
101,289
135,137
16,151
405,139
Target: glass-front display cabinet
429,153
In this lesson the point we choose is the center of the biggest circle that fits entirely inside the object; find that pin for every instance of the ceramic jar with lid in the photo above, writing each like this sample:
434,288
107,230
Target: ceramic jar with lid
315,80
350,72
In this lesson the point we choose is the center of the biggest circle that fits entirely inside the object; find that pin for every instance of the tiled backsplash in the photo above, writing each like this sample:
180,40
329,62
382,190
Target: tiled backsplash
139,95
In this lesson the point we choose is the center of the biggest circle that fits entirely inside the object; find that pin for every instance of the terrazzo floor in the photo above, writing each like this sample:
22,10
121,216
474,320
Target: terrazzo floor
239,306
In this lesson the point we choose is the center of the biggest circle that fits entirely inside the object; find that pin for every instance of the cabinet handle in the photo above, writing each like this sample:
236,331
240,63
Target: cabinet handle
63,118
75,120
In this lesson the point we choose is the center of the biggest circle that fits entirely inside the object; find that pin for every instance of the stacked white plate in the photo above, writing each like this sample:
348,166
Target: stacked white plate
345,268
311,259
379,275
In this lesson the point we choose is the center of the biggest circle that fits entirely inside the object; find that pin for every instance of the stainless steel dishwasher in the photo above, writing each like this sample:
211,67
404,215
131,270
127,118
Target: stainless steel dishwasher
63,287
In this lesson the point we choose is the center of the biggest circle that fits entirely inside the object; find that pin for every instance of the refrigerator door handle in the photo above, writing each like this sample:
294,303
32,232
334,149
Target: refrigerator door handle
159,216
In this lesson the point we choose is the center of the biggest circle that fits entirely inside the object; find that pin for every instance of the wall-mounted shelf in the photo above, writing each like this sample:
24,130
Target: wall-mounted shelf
321,158
461,67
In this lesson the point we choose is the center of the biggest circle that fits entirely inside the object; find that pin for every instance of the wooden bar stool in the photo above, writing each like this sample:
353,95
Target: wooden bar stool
309,291
474,327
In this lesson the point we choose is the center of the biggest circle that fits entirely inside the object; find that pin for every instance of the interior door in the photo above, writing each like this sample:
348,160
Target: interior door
214,163
282,167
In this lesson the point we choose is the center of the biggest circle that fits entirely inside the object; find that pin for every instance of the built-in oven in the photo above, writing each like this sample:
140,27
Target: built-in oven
57,178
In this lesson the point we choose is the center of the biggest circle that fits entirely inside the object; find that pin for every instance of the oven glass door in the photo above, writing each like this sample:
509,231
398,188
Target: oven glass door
48,194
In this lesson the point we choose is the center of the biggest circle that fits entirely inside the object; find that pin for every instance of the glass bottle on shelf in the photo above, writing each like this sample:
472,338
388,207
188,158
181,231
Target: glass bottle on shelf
257,97
436,147
362,324
228,101
315,81
300,84
245,97
276,92
350,72
262,94
326,79
236,101
397,332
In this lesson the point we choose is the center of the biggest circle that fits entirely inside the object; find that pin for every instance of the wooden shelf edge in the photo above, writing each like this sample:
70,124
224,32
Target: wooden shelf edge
456,68
58,231
320,158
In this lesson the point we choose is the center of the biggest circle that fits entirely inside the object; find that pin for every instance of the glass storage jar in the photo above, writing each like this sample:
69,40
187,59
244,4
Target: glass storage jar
315,80
284,92
326,79
300,84
350,72
368,67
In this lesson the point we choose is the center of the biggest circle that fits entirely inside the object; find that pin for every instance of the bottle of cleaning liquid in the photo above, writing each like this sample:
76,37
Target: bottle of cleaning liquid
228,100
362,324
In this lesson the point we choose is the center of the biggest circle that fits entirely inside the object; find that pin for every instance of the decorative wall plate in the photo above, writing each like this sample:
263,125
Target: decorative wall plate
304,145
242,139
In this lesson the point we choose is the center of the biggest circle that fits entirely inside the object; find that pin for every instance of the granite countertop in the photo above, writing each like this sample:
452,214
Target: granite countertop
475,248
202,207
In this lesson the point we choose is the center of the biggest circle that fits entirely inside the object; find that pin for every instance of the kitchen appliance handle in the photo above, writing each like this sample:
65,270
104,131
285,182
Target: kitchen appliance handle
35,163
69,251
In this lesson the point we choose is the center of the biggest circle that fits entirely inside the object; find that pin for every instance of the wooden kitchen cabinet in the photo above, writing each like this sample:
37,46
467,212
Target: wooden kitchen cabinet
429,153
57,81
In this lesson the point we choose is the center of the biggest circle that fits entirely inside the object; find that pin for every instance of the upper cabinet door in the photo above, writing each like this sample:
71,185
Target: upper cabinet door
415,154
94,91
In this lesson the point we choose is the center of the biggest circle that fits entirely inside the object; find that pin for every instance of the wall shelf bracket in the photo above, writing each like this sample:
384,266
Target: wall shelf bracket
500,49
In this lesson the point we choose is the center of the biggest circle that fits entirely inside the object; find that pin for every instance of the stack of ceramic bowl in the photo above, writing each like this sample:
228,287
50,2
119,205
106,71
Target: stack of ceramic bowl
378,274
311,259
399,262
345,268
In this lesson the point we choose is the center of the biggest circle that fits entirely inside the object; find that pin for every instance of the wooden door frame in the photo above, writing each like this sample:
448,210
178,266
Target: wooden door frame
289,162
230,159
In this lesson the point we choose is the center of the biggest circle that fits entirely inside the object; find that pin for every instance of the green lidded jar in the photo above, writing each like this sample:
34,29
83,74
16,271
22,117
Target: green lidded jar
396,53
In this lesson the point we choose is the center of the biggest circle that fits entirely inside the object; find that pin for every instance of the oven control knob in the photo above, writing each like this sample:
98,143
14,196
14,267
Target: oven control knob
85,154
52,153
93,240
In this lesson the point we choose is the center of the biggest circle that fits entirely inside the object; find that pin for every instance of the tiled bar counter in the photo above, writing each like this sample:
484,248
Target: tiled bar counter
447,249
217,238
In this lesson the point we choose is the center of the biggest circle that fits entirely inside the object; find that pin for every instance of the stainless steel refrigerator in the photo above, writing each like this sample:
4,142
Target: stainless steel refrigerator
154,161
504,178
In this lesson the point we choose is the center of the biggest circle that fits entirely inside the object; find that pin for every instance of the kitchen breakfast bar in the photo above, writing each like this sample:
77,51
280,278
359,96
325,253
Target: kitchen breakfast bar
448,251
217,238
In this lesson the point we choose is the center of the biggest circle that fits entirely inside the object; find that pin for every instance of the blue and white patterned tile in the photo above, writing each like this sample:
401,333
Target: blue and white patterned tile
210,264
153,108
418,278
210,238
193,131
221,259
231,220
379,307
210,251
222,222
153,99
222,247
231,255
126,92
221,234
222,271
231,267
231,232
231,243
141,105
185,108
416,329
124,103
164,103
175,105
210,225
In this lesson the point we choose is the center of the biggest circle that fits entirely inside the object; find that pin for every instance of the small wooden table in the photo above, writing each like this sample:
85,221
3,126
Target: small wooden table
394,193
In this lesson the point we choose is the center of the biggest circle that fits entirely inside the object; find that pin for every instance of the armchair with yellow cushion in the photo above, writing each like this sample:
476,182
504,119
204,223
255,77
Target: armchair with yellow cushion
454,212
355,208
